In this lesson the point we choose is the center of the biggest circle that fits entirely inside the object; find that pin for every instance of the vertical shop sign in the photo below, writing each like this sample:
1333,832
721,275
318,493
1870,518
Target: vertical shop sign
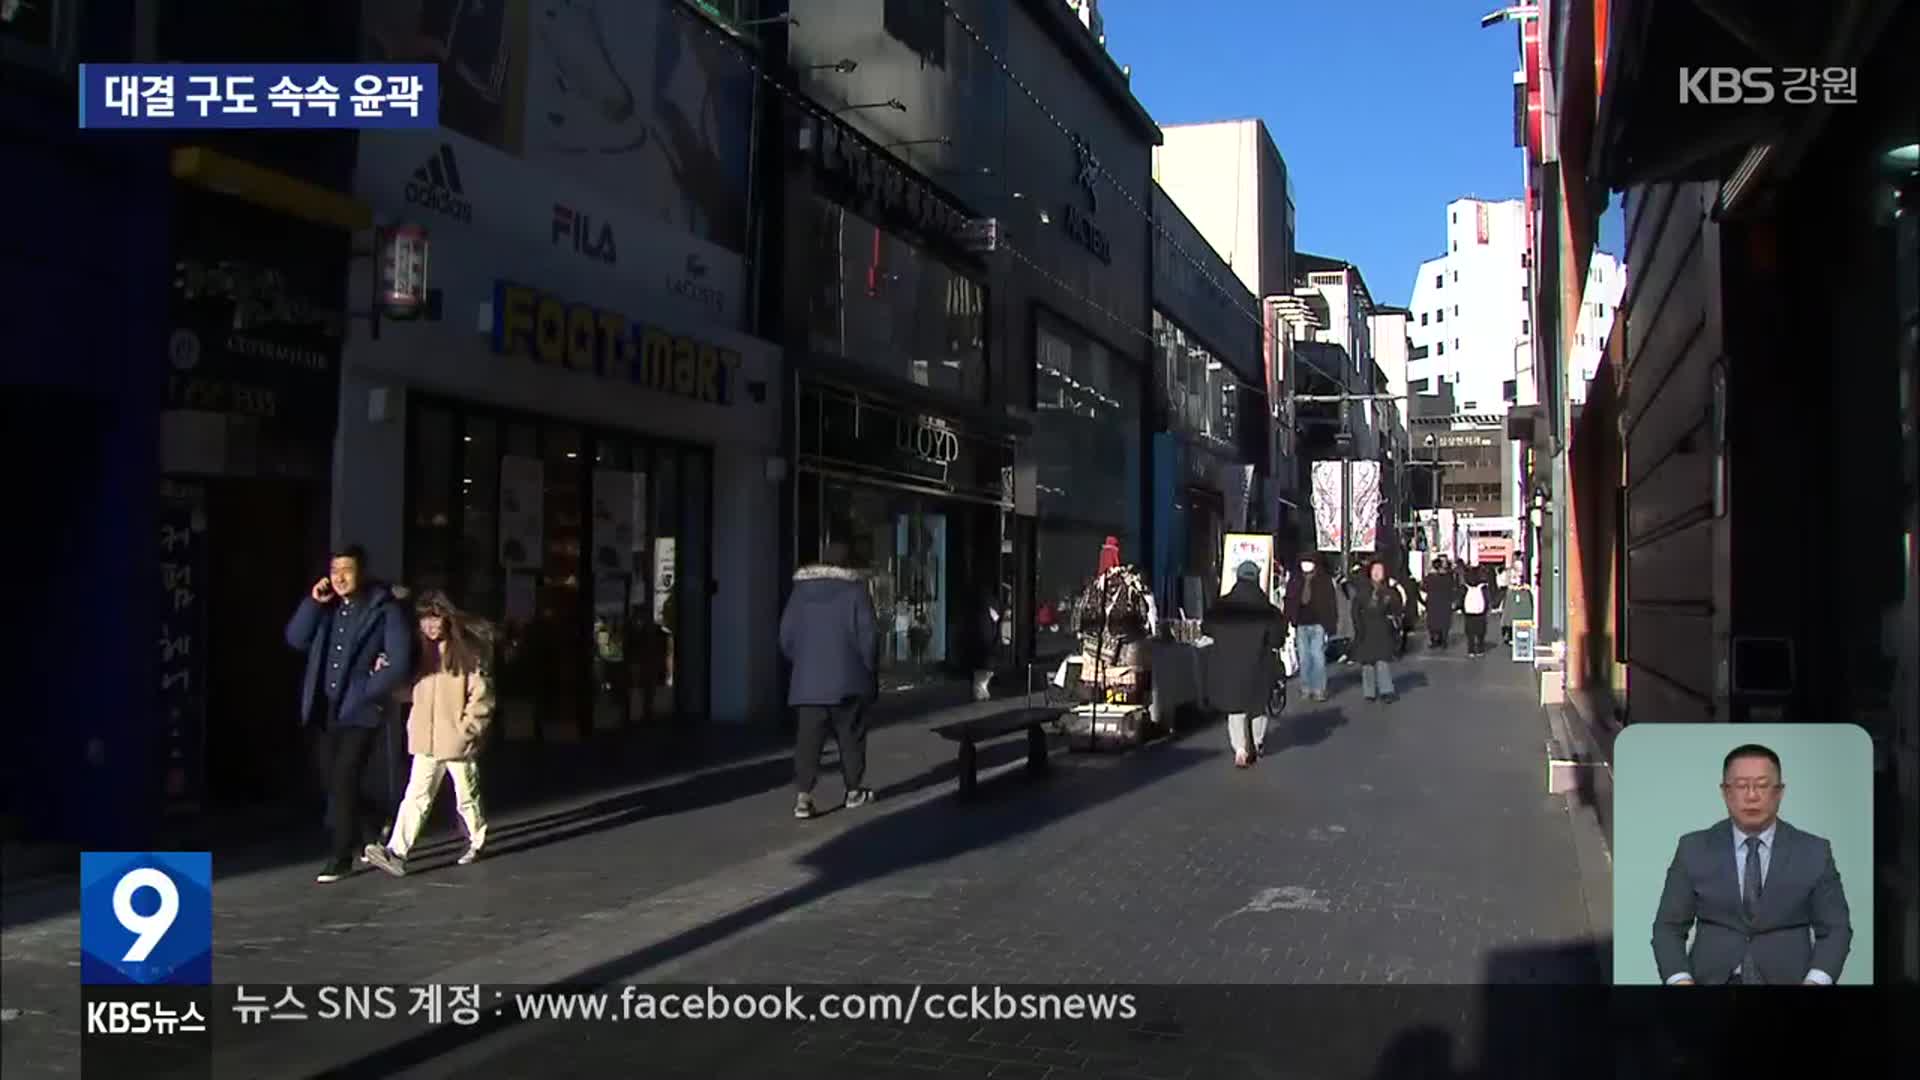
181,681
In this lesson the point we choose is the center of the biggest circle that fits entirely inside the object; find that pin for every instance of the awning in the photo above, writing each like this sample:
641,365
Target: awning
1646,132
290,195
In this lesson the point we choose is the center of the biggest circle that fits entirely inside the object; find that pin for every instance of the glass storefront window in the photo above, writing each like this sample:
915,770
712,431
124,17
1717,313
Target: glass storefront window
1086,452
586,600
1204,398
934,567
885,304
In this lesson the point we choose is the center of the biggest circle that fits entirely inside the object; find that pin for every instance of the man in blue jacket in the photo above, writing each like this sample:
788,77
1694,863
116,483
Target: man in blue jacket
344,625
828,634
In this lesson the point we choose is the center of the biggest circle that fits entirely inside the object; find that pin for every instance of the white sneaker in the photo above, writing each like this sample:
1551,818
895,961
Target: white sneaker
803,806
468,856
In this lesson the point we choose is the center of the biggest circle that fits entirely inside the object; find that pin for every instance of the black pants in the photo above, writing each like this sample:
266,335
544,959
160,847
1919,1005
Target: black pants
849,722
1476,633
343,753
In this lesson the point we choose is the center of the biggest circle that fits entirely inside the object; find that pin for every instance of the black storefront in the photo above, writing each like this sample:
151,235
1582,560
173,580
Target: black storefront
897,453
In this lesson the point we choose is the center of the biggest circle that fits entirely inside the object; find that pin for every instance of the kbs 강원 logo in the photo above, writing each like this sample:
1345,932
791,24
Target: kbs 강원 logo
146,918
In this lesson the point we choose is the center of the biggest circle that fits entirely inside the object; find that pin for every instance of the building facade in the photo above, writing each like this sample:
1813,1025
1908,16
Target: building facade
1211,453
575,440
1230,179
81,392
1775,254
1024,361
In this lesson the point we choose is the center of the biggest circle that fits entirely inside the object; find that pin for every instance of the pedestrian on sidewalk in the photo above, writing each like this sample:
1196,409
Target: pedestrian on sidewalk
1313,610
452,707
1443,594
1376,626
828,633
1244,662
1475,604
343,624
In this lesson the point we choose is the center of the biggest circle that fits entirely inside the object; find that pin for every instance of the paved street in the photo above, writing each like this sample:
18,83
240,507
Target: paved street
1409,845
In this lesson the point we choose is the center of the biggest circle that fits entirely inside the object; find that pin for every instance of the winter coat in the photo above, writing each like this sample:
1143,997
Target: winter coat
450,713
1443,592
1376,615
1242,664
383,627
828,633
1312,601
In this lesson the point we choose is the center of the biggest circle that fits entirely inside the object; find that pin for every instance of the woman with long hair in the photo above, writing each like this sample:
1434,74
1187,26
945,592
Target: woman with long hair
452,706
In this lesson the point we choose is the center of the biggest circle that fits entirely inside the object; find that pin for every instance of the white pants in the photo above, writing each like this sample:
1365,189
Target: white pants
1237,724
422,785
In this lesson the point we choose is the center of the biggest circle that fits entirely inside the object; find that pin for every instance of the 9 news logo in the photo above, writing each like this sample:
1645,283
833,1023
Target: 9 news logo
146,918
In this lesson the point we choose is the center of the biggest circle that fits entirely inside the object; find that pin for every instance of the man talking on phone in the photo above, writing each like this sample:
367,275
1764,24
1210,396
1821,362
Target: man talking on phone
345,624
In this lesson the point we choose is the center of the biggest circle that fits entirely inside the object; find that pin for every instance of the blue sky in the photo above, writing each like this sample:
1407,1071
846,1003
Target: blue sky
1385,111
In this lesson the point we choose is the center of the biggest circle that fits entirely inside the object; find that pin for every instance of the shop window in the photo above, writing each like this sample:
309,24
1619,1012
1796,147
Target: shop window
429,551
888,305
1204,398
1086,449
480,514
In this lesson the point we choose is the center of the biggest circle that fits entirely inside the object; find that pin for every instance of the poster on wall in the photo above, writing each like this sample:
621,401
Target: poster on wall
182,645
1327,505
634,98
522,513
1366,505
613,521
1237,548
663,574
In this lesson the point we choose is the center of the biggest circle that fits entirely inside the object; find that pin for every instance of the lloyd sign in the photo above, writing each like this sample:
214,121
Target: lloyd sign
550,330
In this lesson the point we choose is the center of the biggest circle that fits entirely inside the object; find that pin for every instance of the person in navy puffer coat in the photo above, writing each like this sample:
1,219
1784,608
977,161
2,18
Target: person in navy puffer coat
829,634
359,645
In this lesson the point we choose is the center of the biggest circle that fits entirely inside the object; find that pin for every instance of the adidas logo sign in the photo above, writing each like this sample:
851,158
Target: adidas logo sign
436,186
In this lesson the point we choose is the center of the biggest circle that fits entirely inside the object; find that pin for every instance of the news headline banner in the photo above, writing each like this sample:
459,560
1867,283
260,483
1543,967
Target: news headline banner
259,96
771,1031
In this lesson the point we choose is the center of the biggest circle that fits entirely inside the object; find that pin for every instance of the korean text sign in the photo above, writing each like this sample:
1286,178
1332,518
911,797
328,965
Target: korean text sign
275,96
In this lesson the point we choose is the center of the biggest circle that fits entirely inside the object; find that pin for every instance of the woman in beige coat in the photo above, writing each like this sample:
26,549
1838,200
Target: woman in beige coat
452,705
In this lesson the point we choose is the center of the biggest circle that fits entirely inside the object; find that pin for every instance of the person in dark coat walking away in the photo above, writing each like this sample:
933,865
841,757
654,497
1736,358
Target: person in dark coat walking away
1442,594
828,634
1312,606
1376,628
1243,663
344,624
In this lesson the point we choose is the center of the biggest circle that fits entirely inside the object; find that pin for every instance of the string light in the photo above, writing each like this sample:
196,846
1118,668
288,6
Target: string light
815,109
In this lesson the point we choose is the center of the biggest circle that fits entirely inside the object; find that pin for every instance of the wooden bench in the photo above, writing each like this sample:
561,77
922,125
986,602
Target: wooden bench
970,733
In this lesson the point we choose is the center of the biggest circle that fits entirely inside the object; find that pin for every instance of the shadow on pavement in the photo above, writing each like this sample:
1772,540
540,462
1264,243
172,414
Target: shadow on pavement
1308,727
927,832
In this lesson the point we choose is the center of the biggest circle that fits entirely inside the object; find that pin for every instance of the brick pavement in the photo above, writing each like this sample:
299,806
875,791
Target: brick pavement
1393,845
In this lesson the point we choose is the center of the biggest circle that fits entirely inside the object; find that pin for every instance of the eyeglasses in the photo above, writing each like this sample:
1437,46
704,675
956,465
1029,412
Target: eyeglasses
1753,787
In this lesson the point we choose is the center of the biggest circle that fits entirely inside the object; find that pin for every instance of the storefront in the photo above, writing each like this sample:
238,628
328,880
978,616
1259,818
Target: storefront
575,442
1086,456
898,455
1213,444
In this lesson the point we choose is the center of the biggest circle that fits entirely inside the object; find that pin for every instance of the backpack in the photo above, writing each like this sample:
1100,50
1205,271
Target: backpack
1476,601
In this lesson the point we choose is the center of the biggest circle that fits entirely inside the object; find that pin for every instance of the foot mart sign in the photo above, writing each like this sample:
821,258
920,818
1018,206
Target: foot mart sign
551,330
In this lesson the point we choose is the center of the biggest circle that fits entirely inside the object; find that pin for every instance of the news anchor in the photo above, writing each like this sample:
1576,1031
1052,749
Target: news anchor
1762,898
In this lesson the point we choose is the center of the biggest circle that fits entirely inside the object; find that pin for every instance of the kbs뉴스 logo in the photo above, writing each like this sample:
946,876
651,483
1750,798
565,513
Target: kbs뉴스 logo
436,186
146,918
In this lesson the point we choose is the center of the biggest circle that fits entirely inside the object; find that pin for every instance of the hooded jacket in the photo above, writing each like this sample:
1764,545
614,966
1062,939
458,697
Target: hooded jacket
828,634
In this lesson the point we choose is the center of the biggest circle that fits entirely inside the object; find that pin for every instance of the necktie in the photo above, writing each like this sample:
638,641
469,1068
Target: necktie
1750,902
